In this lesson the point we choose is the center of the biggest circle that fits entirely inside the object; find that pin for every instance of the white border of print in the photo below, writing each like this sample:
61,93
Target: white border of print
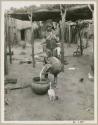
95,64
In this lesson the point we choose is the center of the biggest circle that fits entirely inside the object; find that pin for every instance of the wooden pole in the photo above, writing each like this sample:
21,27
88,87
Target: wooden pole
81,47
63,15
9,42
88,36
33,48
69,34
5,47
5,61
10,52
32,40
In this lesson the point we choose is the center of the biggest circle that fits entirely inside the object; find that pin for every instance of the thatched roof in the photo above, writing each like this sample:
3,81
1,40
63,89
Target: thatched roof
74,13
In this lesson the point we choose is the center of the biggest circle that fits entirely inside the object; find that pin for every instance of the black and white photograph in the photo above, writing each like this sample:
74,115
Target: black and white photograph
48,54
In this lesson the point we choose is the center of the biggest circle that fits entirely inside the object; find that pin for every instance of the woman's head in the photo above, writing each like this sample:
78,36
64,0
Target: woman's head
49,28
49,25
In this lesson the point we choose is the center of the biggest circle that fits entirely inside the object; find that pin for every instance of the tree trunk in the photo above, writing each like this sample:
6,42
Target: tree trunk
62,37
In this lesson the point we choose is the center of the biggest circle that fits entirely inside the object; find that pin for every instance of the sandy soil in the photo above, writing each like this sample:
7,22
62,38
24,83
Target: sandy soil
76,99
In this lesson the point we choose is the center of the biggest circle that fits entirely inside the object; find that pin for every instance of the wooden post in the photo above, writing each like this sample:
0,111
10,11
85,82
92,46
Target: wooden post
32,40
5,60
79,29
69,34
33,47
9,42
81,47
88,36
59,30
5,47
63,15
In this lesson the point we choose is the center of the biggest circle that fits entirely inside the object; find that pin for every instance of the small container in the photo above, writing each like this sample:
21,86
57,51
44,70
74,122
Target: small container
40,87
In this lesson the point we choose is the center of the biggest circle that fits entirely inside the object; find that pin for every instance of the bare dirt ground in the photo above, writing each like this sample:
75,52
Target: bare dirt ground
76,99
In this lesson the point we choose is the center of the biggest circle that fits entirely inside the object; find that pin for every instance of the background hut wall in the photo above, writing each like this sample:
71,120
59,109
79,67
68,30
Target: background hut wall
18,35
15,30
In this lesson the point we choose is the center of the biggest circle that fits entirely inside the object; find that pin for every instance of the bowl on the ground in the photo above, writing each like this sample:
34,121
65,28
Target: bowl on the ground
40,87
